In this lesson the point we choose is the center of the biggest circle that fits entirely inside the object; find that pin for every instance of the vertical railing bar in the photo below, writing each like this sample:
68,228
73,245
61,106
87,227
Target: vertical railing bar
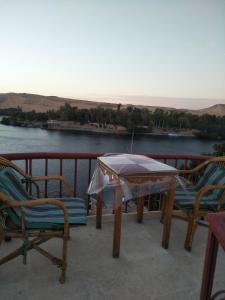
89,179
89,170
46,174
75,178
61,172
26,170
30,173
30,166
26,166
176,163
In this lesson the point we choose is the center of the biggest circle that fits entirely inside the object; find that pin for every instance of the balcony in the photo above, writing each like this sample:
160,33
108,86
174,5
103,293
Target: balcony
144,270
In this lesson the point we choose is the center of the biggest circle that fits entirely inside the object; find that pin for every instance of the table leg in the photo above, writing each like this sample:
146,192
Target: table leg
117,222
168,215
99,211
140,209
209,267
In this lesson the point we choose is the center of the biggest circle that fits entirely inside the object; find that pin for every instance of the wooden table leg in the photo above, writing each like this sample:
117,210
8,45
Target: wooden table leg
168,215
99,211
209,267
117,222
140,209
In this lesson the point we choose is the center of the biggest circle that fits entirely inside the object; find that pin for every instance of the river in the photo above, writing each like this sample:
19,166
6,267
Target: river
18,139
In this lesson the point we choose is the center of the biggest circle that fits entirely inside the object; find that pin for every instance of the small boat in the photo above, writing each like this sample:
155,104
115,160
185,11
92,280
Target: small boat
173,134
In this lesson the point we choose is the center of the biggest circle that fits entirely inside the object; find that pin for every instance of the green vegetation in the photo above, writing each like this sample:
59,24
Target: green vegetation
132,118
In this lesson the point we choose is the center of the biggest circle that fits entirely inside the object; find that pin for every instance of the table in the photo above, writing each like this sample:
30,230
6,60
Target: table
132,176
216,236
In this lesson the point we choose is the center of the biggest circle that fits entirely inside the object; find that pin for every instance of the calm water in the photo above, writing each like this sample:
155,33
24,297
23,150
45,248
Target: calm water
17,139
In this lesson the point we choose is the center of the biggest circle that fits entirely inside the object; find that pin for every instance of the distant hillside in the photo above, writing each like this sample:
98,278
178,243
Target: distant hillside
40,103
217,109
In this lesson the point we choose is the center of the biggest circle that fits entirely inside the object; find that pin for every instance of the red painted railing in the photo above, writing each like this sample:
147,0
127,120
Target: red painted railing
76,174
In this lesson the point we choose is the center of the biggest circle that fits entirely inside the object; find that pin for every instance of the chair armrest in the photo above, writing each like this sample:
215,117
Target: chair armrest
54,177
218,159
204,191
49,177
194,170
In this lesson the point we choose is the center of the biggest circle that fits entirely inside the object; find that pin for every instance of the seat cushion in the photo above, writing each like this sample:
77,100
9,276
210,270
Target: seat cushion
186,199
51,217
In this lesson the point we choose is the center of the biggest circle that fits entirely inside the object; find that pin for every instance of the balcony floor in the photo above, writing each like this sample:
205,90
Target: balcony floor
144,270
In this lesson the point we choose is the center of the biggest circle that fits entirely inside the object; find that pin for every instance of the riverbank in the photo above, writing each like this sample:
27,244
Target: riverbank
95,128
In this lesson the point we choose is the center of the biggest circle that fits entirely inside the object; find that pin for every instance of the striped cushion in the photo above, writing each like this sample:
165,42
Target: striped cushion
185,200
50,216
42,216
206,176
212,175
10,184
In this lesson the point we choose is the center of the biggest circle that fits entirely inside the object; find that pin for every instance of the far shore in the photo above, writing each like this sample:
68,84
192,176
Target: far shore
105,132
95,129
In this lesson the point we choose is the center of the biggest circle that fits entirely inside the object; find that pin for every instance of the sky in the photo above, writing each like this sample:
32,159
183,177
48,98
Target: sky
131,51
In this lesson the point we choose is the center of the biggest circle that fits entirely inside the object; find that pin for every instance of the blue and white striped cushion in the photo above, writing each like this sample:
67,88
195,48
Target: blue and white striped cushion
207,176
185,198
52,214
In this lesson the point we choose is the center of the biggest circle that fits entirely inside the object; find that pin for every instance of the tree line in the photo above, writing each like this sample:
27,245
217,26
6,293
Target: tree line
132,118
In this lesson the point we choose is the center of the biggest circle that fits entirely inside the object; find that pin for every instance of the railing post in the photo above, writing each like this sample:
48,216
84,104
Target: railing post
75,178
61,172
46,174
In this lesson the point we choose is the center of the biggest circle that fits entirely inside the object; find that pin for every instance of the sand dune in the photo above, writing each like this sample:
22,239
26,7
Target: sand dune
29,102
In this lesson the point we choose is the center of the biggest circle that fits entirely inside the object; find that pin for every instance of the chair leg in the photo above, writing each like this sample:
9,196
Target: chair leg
19,251
64,259
192,225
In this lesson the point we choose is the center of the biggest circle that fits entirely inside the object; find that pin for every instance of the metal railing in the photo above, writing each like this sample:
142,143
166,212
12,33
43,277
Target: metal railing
78,167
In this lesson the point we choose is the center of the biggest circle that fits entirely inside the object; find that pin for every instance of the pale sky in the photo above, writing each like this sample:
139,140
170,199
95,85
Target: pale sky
122,50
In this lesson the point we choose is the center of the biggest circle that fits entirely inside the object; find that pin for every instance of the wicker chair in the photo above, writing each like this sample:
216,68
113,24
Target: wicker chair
205,195
35,221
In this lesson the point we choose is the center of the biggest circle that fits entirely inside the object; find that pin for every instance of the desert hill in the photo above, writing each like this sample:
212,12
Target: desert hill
217,110
41,103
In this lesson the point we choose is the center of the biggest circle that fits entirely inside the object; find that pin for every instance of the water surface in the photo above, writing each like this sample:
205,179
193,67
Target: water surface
18,139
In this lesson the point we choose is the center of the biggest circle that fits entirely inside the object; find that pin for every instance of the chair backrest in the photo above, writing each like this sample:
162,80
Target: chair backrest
11,186
214,174
206,177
